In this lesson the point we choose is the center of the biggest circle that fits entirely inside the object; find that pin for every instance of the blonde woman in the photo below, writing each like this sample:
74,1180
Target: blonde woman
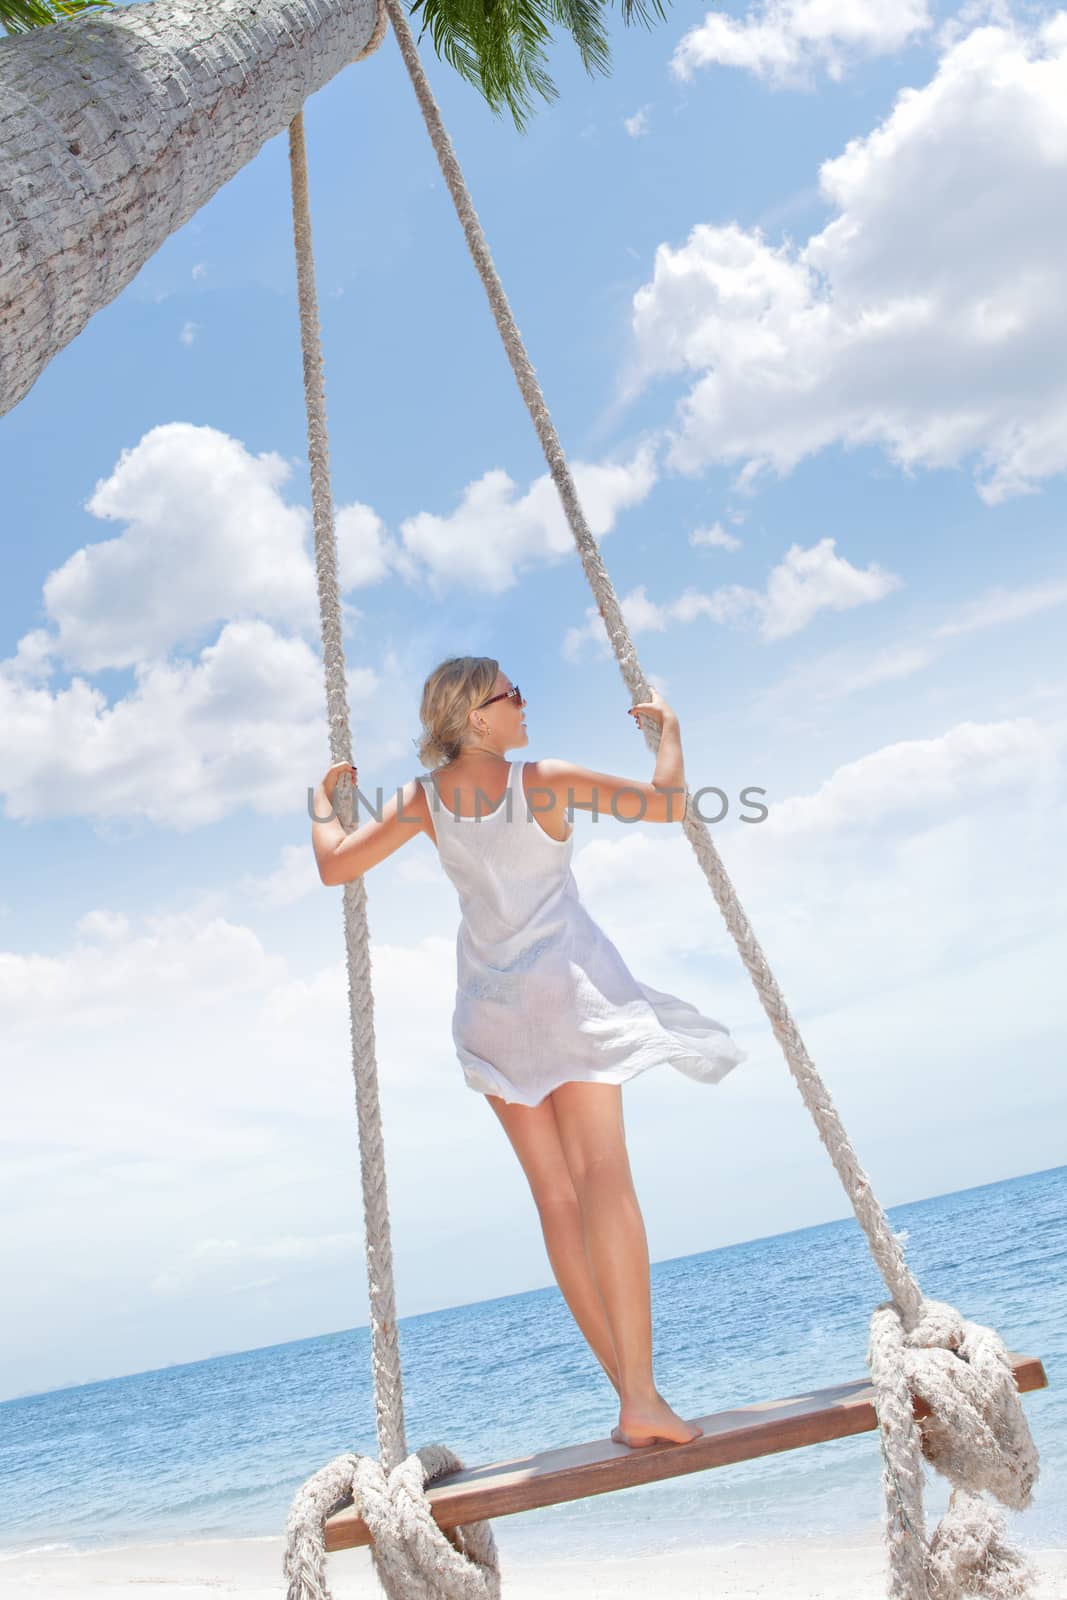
549,1022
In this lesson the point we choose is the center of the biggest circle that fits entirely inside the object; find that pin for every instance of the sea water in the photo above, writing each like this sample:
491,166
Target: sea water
217,1448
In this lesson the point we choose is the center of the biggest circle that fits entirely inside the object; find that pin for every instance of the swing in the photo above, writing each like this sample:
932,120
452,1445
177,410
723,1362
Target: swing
941,1387
580,1470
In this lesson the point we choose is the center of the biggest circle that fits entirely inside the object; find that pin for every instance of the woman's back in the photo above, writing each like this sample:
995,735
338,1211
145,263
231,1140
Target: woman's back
471,791
505,867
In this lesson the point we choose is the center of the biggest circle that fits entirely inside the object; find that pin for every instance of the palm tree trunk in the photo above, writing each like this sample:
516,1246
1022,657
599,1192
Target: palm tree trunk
116,128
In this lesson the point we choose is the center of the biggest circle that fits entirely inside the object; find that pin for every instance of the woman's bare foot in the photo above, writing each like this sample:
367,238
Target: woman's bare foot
652,1421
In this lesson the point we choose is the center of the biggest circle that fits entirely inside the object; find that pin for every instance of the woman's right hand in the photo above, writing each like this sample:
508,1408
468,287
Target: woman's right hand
330,781
655,707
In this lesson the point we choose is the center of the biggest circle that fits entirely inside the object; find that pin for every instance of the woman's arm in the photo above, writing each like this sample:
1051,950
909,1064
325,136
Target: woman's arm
342,856
662,800
670,763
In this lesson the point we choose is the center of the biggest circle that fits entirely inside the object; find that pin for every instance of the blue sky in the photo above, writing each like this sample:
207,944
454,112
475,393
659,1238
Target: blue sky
798,318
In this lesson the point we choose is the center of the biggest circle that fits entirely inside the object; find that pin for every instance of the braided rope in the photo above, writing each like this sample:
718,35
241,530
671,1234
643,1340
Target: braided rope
414,1559
884,1245
958,1375
385,1354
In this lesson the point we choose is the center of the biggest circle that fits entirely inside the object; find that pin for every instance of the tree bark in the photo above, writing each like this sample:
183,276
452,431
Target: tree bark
116,128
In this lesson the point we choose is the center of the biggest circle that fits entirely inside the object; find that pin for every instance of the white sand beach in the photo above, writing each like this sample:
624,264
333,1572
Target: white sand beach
843,1569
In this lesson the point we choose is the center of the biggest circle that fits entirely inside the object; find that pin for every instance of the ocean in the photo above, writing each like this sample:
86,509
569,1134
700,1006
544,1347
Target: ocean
216,1449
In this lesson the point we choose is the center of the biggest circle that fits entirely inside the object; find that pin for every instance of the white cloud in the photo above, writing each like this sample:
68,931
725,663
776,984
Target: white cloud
818,579
33,661
925,778
785,42
294,878
194,1035
1002,605
715,537
210,547
835,674
924,319
640,614
207,539
107,926
886,665
198,988
209,542
495,533
203,1264
189,333
803,583
877,875
205,1136
637,125
972,14
241,724
838,673
102,982
199,271
365,553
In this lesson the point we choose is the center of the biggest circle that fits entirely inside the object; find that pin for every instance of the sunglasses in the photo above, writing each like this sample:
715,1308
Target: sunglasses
514,693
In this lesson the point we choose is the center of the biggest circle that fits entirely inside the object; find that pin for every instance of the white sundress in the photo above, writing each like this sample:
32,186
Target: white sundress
543,997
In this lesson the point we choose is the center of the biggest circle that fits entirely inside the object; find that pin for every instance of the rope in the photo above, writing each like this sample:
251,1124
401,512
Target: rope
884,1246
414,1559
952,1363
976,1435
385,1355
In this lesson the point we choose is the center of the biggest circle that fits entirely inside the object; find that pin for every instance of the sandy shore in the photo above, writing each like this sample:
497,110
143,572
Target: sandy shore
795,1570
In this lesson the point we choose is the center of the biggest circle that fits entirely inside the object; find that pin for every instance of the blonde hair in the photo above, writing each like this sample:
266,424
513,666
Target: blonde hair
449,693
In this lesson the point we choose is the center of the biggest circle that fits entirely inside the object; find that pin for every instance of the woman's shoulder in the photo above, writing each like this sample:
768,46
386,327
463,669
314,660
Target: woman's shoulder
552,769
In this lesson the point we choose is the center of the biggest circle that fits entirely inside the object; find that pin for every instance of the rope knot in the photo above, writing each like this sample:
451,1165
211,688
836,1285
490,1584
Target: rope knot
970,1554
413,1558
976,1434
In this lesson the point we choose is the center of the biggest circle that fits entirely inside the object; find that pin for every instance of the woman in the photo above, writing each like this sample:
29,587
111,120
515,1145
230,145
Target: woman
549,1021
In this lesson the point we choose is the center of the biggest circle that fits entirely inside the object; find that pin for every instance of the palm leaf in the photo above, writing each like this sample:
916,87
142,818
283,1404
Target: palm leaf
19,16
499,46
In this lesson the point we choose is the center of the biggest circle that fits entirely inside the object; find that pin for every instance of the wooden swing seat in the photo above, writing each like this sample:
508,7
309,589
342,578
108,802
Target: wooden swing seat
602,1466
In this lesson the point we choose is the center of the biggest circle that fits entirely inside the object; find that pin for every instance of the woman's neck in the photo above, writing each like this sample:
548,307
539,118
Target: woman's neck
466,755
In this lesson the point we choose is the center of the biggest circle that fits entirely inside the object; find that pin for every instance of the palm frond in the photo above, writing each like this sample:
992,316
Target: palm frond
583,20
646,11
20,16
500,46
496,45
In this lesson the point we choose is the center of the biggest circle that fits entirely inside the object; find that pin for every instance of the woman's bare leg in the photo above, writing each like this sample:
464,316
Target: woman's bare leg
589,1118
534,1136
564,1234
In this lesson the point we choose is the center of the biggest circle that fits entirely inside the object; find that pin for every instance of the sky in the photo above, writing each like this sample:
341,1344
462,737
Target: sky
791,278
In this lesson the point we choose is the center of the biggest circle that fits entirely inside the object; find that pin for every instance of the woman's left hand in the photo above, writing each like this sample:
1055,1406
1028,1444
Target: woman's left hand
655,708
